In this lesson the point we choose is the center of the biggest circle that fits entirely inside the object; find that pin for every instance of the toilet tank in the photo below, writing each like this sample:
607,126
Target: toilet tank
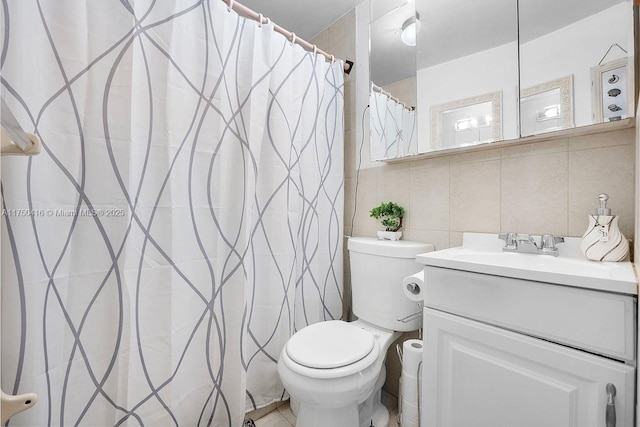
377,270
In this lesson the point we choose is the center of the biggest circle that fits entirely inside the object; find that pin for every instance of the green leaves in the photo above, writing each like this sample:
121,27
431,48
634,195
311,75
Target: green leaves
390,215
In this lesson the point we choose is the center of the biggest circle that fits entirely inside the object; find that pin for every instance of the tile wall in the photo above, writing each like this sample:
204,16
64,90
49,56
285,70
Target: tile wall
546,187
339,40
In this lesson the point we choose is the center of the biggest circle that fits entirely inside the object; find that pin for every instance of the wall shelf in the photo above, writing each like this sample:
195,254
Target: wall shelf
627,123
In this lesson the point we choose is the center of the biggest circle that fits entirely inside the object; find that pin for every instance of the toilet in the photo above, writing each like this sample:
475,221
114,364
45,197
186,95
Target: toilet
335,370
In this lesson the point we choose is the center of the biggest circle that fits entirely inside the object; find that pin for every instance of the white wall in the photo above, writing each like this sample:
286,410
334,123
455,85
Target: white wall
575,49
572,50
484,72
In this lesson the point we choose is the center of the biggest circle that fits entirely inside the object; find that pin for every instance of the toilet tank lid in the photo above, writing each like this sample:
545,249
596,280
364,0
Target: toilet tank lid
388,248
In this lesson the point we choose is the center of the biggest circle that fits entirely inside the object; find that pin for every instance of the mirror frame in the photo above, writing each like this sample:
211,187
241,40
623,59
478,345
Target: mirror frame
495,98
565,87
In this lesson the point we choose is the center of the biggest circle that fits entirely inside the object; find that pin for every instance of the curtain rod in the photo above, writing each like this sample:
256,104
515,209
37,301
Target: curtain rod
377,88
249,13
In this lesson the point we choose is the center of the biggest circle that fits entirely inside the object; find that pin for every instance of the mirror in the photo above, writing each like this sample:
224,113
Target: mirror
392,90
467,76
576,63
504,69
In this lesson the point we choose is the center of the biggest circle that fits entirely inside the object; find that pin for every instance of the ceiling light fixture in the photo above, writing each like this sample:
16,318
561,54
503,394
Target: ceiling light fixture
410,30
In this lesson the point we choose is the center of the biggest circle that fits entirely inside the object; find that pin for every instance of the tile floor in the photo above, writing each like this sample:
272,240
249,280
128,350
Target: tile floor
283,417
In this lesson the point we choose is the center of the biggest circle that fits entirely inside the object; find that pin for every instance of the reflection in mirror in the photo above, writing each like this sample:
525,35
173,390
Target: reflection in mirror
392,100
461,58
466,122
392,126
576,63
547,107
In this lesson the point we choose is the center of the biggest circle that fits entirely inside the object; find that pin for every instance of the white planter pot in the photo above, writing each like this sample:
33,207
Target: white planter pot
389,235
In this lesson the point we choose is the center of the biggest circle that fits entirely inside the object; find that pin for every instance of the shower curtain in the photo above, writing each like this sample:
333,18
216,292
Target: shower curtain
183,220
393,128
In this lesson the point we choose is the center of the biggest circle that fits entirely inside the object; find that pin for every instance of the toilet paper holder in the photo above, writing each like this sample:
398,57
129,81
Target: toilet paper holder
413,316
414,288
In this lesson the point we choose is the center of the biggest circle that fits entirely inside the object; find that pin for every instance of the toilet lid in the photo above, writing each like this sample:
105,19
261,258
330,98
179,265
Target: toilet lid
328,345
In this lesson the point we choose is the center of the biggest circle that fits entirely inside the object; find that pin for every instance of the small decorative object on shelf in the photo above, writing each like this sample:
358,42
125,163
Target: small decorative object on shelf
603,240
390,215
612,88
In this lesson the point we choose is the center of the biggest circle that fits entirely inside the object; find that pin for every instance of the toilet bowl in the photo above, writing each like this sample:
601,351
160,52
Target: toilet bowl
335,369
332,368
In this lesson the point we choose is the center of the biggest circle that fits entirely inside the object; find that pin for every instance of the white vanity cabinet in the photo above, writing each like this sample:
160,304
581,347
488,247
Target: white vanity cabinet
483,376
520,340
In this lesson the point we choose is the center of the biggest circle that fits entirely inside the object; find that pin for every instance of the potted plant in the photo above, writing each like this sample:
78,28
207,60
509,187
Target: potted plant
390,215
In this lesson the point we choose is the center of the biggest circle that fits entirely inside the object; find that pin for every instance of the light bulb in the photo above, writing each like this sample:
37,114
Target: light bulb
410,30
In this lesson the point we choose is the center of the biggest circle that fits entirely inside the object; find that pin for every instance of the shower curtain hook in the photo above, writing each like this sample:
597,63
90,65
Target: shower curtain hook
293,38
260,18
333,59
315,49
267,20
230,6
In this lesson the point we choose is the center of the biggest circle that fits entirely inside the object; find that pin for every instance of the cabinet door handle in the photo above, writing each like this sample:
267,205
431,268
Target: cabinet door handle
611,405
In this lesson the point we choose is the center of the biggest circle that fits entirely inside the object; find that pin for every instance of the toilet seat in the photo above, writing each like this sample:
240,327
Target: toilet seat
320,334
330,345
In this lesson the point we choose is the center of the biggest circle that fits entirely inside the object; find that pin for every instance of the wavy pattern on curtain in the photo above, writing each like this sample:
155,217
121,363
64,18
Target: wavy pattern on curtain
183,220
393,128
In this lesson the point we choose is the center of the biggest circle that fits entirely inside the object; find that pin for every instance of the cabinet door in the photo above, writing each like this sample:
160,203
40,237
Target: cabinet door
477,375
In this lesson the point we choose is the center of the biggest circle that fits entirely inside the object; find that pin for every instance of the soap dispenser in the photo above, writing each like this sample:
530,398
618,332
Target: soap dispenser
603,240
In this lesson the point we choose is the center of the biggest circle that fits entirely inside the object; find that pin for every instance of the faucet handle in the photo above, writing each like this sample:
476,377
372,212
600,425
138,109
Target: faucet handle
509,239
549,241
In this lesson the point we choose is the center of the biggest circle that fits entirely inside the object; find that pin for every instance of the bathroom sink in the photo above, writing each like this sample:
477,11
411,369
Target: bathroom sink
502,321
482,253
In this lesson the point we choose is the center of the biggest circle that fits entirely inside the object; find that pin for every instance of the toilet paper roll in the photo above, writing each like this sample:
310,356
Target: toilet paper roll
411,356
409,416
413,286
409,391
409,394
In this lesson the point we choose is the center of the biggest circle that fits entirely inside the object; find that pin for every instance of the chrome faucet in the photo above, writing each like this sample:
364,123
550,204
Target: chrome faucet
526,243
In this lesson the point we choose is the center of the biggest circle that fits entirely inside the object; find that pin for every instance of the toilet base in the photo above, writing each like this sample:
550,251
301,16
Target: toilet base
371,411
379,417
310,416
